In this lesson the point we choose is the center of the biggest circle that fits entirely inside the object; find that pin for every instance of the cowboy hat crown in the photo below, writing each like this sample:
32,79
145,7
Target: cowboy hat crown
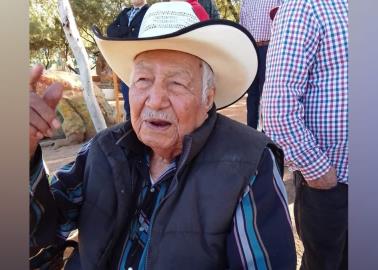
227,47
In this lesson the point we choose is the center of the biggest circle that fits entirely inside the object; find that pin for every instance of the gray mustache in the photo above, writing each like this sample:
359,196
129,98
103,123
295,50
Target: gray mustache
156,115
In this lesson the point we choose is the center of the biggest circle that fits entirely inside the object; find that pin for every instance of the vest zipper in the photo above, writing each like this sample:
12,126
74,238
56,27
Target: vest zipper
175,179
152,221
133,179
123,250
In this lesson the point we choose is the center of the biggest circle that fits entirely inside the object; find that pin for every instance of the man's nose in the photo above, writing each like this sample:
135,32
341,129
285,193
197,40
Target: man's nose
158,96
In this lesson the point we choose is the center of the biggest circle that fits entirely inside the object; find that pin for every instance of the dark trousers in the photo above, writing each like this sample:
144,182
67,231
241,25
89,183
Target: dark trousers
125,94
321,219
255,90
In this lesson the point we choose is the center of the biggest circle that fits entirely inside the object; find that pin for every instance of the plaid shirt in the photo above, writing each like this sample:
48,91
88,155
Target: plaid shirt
254,16
305,96
260,236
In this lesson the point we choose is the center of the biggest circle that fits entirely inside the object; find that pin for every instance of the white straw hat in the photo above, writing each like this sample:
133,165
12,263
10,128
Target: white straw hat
226,46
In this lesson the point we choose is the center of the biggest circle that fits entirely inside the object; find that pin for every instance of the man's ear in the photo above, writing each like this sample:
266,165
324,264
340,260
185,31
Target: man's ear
210,98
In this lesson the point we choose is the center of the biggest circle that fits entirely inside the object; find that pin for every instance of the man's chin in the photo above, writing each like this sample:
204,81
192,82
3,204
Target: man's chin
158,139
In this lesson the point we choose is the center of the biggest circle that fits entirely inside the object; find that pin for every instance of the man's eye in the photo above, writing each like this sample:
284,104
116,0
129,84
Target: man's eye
142,81
178,83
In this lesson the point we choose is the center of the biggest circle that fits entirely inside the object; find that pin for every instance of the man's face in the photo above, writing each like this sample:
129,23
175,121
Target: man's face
166,98
138,3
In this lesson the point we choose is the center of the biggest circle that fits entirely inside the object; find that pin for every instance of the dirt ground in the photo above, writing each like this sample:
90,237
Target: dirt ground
56,158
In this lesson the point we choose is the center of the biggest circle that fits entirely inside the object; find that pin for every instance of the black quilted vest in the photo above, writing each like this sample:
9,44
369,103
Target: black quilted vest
192,222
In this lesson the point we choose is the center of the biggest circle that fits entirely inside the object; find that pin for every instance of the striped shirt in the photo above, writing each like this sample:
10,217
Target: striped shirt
260,236
134,251
254,16
305,96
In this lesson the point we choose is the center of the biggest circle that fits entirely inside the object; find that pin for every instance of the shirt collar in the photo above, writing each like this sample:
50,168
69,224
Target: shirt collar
138,8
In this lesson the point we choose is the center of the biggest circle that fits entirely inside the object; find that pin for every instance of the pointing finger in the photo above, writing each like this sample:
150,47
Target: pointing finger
35,74
53,94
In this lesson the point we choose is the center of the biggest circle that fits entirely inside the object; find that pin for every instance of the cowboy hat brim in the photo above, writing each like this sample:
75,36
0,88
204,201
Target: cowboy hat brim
227,47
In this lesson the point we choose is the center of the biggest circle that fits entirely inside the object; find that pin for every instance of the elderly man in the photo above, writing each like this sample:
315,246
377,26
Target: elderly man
179,186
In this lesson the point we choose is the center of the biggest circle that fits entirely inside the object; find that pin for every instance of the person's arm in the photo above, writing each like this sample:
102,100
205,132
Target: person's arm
55,202
291,56
261,236
244,15
43,212
119,28
54,206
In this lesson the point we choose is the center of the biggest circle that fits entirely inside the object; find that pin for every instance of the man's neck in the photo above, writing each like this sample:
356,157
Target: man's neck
158,165
139,6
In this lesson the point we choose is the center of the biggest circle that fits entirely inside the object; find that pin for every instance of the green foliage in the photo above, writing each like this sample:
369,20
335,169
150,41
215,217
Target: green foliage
46,34
229,9
93,12
47,39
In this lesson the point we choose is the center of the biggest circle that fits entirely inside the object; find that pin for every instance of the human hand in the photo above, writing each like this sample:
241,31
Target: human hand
42,119
327,181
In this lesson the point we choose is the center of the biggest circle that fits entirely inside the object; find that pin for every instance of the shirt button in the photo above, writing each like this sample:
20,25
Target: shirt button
140,219
141,228
152,189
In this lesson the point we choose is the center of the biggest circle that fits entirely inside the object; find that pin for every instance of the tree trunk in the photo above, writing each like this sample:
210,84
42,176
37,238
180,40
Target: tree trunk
72,34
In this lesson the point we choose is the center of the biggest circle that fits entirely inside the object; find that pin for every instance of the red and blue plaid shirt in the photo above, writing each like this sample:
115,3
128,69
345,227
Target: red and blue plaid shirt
254,16
305,96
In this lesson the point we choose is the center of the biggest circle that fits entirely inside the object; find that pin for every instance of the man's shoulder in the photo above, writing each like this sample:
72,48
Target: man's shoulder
105,144
235,142
234,145
300,5
143,10
111,134
124,11
145,7
235,129
250,137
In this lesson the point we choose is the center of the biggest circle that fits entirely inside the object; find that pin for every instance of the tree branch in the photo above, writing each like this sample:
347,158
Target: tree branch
76,44
84,29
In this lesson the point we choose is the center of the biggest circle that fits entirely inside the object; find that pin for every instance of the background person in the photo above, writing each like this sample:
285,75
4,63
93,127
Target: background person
305,110
127,25
255,17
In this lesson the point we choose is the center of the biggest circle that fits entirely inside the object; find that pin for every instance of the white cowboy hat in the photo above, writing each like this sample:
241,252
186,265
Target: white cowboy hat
227,47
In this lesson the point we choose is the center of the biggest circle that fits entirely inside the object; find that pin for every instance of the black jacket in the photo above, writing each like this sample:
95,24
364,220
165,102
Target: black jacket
120,28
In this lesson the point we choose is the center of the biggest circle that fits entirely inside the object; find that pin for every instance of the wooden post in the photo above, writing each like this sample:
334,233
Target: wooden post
74,40
116,95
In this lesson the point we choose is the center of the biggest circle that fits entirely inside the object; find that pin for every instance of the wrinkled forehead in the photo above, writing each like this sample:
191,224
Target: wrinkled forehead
171,53
168,58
